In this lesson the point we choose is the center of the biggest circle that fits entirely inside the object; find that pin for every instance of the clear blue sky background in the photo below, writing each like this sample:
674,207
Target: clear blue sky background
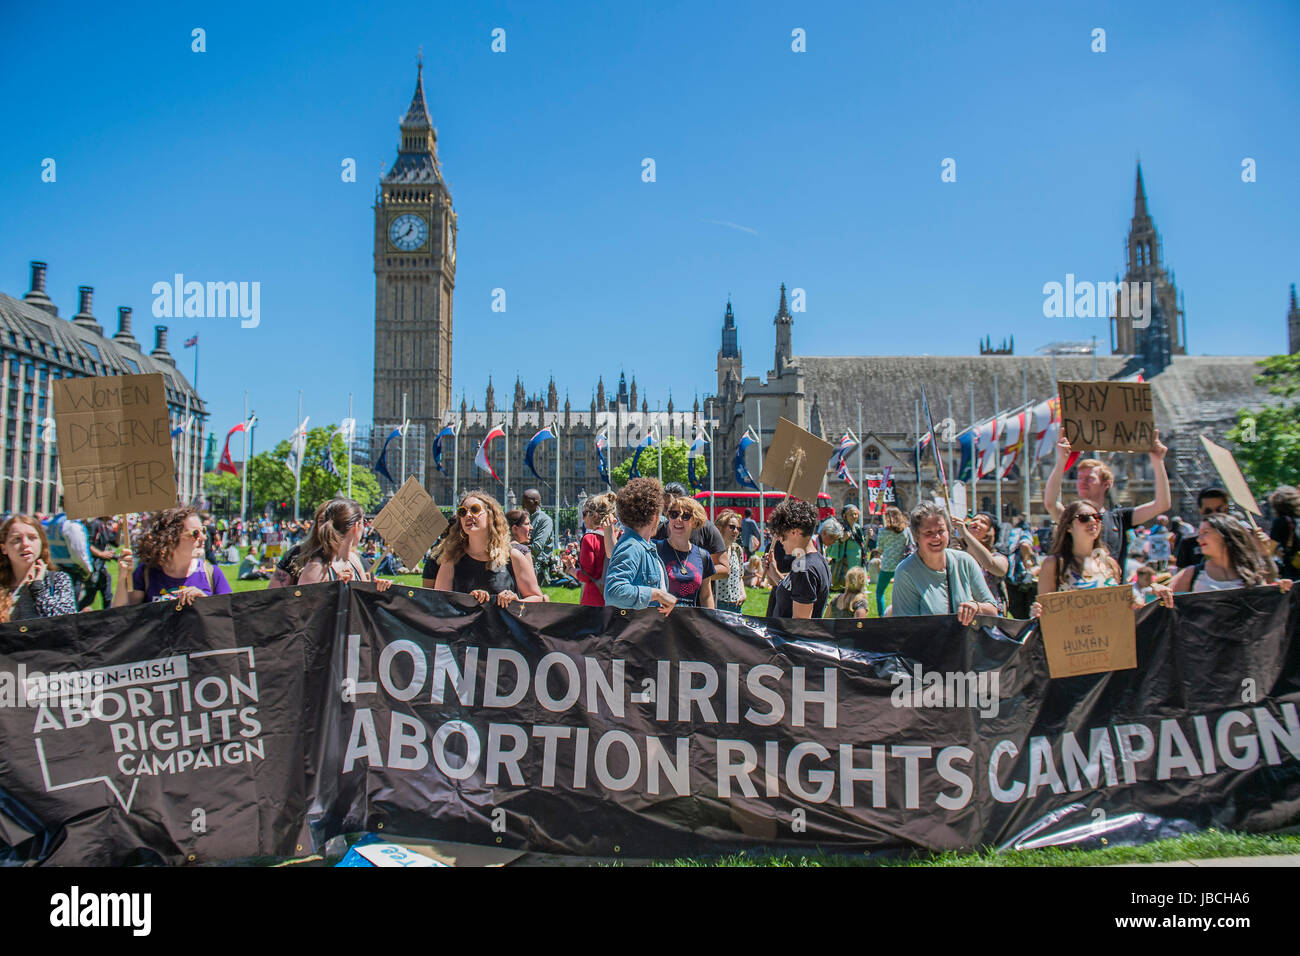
225,166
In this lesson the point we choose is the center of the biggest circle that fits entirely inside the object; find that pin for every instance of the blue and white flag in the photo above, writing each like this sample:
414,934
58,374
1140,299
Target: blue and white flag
696,450
602,440
743,477
544,435
645,443
381,463
437,446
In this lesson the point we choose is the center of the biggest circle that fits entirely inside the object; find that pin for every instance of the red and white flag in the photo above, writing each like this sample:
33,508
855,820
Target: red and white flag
481,459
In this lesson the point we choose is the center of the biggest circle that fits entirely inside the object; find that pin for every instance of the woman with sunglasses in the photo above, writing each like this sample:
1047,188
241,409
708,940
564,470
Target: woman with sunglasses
730,595
1079,558
689,567
1230,559
476,558
330,551
171,564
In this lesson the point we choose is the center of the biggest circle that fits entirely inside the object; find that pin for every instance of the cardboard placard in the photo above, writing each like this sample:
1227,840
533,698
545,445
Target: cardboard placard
959,498
115,445
796,461
1108,416
410,522
1234,482
1089,631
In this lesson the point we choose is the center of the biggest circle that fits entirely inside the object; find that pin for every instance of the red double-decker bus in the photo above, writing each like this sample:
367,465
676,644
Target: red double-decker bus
738,501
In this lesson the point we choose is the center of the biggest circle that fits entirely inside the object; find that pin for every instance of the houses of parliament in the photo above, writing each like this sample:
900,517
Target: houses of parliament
415,229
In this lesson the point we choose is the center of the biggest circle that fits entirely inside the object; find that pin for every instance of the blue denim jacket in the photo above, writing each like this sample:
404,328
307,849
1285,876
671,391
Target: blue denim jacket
633,571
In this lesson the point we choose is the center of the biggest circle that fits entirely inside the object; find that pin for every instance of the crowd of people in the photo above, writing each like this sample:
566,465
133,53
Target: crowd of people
655,546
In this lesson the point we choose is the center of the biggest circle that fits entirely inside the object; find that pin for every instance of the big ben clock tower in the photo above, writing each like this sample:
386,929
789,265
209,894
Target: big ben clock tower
415,276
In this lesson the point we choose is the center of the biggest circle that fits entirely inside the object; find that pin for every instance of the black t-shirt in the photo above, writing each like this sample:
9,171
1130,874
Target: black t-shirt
473,575
707,538
430,572
1284,533
811,585
1115,525
1188,553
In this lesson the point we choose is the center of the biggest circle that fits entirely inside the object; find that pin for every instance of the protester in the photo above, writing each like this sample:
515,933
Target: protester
853,602
1144,585
705,537
102,539
70,551
802,592
754,572
1022,577
1080,559
731,590
938,579
596,546
687,566
476,558
542,542
848,550
893,544
30,586
750,537
1285,502
521,556
331,551
634,575
251,569
1159,543
977,537
1230,559
171,564
1093,482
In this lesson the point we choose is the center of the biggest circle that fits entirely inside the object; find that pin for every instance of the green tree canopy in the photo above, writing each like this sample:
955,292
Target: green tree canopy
675,469
1268,440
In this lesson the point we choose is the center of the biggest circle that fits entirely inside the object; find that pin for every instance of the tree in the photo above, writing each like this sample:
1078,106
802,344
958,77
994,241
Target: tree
222,489
1268,440
271,480
675,468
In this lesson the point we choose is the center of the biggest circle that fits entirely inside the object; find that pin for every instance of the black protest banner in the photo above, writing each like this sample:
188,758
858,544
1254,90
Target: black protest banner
591,731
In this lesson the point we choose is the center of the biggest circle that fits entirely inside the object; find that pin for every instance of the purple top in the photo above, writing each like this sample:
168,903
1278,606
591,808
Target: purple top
162,587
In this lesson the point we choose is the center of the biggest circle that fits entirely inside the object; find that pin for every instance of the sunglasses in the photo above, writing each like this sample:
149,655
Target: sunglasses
1222,510
197,534
1087,519
474,510
676,515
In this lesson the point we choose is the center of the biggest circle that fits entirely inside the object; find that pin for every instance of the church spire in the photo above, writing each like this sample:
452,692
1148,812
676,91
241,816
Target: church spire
417,117
784,347
1140,197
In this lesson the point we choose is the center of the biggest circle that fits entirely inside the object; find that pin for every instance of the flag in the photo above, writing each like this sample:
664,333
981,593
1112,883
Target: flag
1013,440
545,434
966,442
886,492
348,429
1046,426
481,458
181,429
842,470
327,455
192,341
695,451
846,445
986,433
636,456
381,463
225,464
922,444
298,446
601,464
437,446
743,477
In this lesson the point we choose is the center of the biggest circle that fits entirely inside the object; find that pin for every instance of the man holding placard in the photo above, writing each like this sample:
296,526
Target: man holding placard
1108,416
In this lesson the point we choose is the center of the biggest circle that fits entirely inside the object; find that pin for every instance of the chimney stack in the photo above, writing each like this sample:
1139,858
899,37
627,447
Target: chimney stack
160,345
36,296
85,317
123,334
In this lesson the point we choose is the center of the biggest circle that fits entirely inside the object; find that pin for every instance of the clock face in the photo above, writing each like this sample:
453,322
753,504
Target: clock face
407,232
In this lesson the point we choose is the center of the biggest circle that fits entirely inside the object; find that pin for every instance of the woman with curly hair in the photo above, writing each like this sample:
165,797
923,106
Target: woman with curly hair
172,566
634,576
1231,560
330,551
476,558
596,546
29,587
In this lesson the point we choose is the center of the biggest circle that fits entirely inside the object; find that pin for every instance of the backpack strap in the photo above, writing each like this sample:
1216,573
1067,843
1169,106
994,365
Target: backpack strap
1196,571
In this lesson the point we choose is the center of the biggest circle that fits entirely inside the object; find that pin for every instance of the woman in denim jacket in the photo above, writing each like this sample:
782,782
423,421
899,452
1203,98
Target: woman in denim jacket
634,576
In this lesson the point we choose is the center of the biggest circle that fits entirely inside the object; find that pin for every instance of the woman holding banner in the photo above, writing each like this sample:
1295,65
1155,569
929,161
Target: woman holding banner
520,524
1231,560
938,579
172,566
29,587
689,567
1079,558
978,537
330,551
476,558
634,576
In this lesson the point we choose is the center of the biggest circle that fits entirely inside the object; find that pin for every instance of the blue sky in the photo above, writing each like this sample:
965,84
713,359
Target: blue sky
225,166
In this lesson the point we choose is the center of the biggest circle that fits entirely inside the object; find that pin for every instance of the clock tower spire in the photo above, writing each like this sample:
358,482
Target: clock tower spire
415,278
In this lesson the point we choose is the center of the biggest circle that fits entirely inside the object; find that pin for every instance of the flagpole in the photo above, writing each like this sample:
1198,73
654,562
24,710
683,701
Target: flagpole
713,507
403,436
862,509
997,459
252,439
505,488
974,456
952,476
455,462
351,431
557,478
1025,430
243,478
297,461
185,444
917,449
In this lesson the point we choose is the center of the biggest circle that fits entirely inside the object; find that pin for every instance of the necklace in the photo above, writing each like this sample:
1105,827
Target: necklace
683,569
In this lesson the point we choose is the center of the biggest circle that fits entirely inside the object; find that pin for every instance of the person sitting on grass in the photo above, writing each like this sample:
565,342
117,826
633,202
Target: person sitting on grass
634,575
250,569
853,602
172,565
330,551
803,591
